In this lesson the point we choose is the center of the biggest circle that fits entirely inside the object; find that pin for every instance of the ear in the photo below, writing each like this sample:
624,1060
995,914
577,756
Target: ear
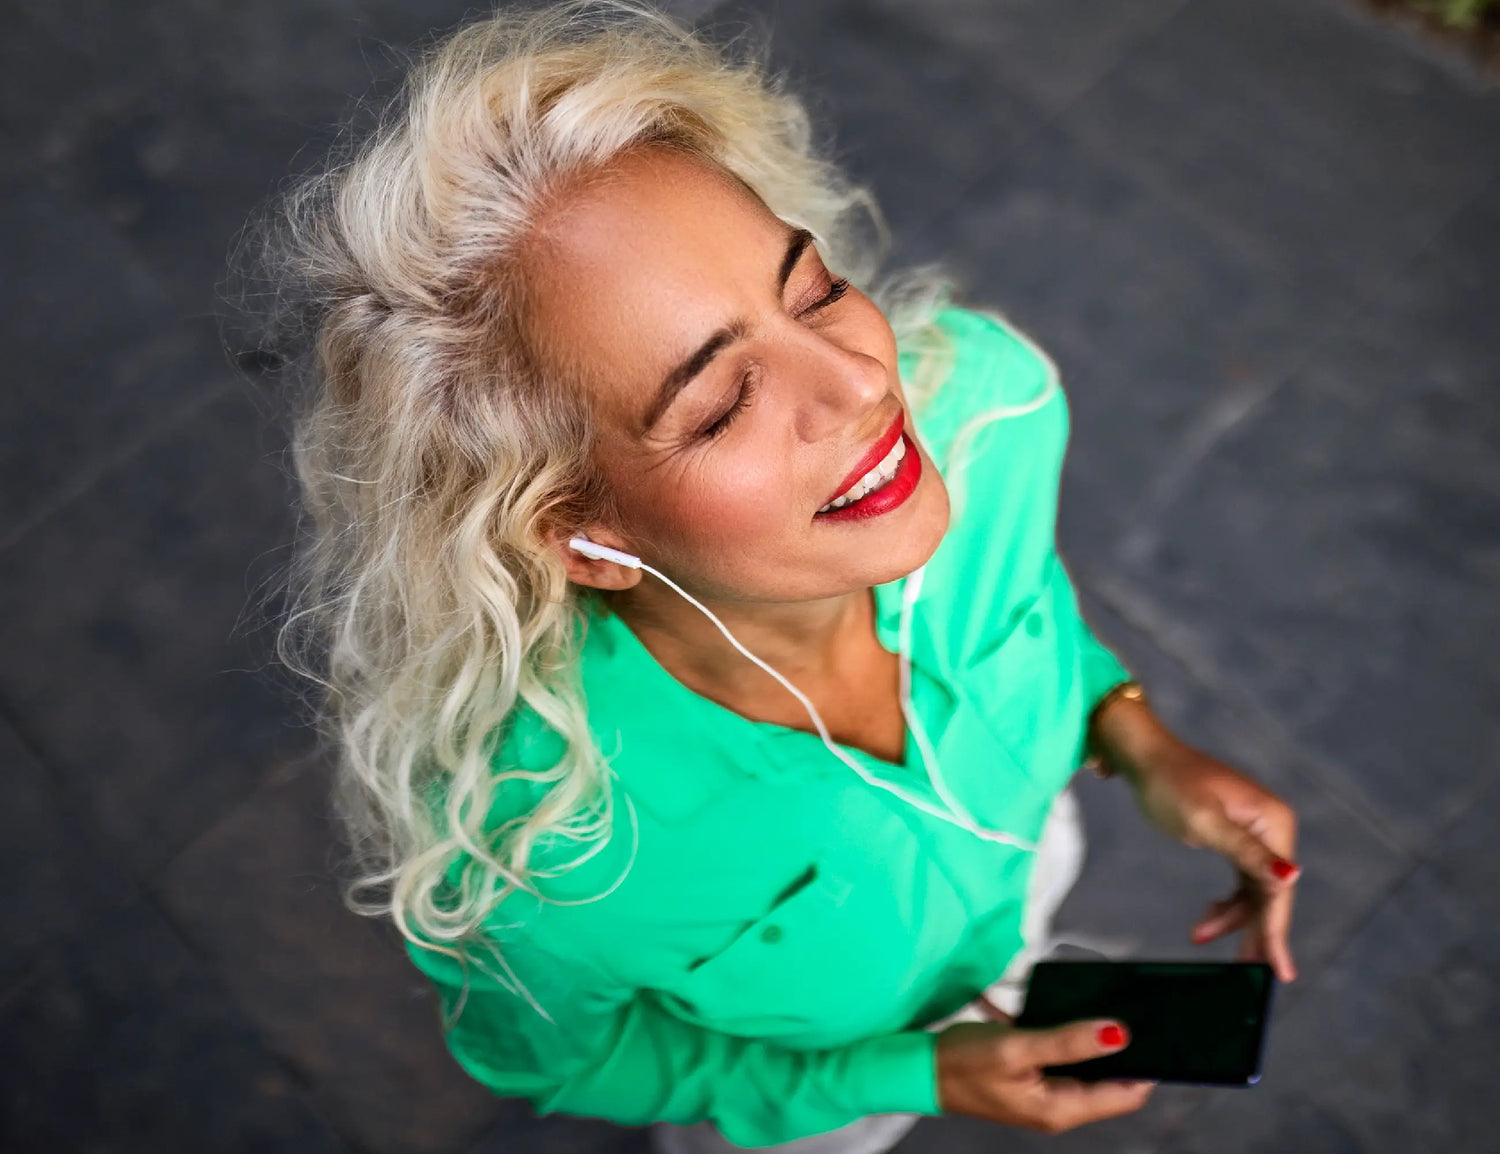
596,574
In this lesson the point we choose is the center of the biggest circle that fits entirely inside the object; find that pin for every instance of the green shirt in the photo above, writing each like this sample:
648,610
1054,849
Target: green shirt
787,929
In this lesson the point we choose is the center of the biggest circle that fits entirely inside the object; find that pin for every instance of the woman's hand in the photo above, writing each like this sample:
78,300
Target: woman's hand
994,1071
1203,802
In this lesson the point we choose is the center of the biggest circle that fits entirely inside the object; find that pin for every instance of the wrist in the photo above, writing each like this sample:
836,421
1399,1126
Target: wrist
1124,736
1099,755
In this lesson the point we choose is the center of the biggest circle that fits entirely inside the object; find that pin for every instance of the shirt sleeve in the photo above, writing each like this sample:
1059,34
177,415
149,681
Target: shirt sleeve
1101,669
1010,471
625,1057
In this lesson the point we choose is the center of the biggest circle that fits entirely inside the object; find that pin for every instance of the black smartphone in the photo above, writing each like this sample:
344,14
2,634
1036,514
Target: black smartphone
1198,1022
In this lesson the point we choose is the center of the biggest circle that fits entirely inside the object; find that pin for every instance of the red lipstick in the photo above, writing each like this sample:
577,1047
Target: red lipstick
893,493
872,458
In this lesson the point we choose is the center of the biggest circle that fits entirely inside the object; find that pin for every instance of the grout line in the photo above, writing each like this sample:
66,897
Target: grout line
306,1091
145,891
73,808
1137,612
1424,858
146,888
106,845
1141,531
1149,175
1051,115
1047,114
283,768
59,499
283,771
1417,855
1143,523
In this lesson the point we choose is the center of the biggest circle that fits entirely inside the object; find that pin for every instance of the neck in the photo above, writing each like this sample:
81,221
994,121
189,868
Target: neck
799,639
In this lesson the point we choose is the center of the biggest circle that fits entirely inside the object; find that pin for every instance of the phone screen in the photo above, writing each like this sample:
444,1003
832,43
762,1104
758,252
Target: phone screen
1200,1022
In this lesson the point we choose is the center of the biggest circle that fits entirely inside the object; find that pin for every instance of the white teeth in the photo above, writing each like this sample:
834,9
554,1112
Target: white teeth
877,477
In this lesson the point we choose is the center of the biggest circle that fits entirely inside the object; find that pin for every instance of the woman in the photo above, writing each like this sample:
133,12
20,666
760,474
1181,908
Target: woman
704,678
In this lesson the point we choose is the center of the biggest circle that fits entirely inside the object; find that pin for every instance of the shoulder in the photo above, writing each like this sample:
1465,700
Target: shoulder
996,427
575,822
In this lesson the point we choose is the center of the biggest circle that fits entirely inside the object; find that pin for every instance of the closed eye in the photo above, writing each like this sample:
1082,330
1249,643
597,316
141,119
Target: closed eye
720,424
741,403
835,290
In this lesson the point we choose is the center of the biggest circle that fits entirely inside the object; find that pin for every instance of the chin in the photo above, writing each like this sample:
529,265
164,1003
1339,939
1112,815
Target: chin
913,542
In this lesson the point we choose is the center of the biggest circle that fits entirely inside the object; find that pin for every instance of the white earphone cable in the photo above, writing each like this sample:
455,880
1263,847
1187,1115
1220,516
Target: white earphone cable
957,814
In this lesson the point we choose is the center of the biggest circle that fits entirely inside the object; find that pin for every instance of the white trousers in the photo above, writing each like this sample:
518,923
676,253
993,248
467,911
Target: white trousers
1059,859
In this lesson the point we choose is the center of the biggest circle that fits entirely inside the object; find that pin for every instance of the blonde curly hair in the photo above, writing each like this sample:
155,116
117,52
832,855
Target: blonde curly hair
434,450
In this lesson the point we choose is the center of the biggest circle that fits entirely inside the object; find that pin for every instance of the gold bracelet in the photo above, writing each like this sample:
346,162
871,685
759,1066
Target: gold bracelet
1130,689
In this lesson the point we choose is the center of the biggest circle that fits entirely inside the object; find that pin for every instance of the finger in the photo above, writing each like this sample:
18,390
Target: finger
991,1011
1224,917
1259,945
1275,932
1067,1103
1022,1050
1254,858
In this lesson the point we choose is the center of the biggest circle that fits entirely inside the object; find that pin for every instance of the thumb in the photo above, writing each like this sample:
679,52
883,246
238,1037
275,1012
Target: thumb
1022,1050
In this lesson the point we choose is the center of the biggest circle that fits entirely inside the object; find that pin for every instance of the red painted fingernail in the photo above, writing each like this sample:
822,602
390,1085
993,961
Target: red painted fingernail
1284,869
1112,1035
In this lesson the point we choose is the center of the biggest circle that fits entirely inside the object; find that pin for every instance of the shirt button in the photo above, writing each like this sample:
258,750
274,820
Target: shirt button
771,935
1034,624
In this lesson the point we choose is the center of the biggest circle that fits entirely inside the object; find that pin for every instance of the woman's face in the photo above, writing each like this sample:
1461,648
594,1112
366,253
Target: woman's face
738,389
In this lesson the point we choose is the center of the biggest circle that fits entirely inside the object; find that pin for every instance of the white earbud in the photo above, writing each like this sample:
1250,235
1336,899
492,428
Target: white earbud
603,552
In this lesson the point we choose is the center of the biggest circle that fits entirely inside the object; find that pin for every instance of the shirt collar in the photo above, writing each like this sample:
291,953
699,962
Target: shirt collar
628,690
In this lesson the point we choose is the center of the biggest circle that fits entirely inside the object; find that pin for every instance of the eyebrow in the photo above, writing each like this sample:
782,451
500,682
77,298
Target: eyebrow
695,362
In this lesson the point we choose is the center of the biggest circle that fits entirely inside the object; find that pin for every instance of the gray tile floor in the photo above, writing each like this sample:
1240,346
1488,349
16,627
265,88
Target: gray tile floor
1263,242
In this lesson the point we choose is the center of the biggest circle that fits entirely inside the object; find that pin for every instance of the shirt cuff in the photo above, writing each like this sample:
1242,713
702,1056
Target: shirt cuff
897,1074
1101,669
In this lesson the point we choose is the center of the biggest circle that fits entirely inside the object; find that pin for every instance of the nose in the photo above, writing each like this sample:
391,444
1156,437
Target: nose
838,387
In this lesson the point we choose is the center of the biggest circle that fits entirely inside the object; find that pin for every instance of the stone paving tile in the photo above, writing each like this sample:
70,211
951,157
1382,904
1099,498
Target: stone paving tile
126,637
915,121
1052,52
178,174
1394,1051
1334,558
1470,854
121,1043
331,993
97,357
173,122
47,89
1333,150
284,56
52,883
1160,329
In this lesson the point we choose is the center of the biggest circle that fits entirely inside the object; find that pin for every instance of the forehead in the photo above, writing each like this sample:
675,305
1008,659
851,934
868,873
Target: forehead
634,267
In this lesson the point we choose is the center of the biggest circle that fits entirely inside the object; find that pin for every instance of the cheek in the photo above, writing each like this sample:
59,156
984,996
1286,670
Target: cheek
731,501
870,331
